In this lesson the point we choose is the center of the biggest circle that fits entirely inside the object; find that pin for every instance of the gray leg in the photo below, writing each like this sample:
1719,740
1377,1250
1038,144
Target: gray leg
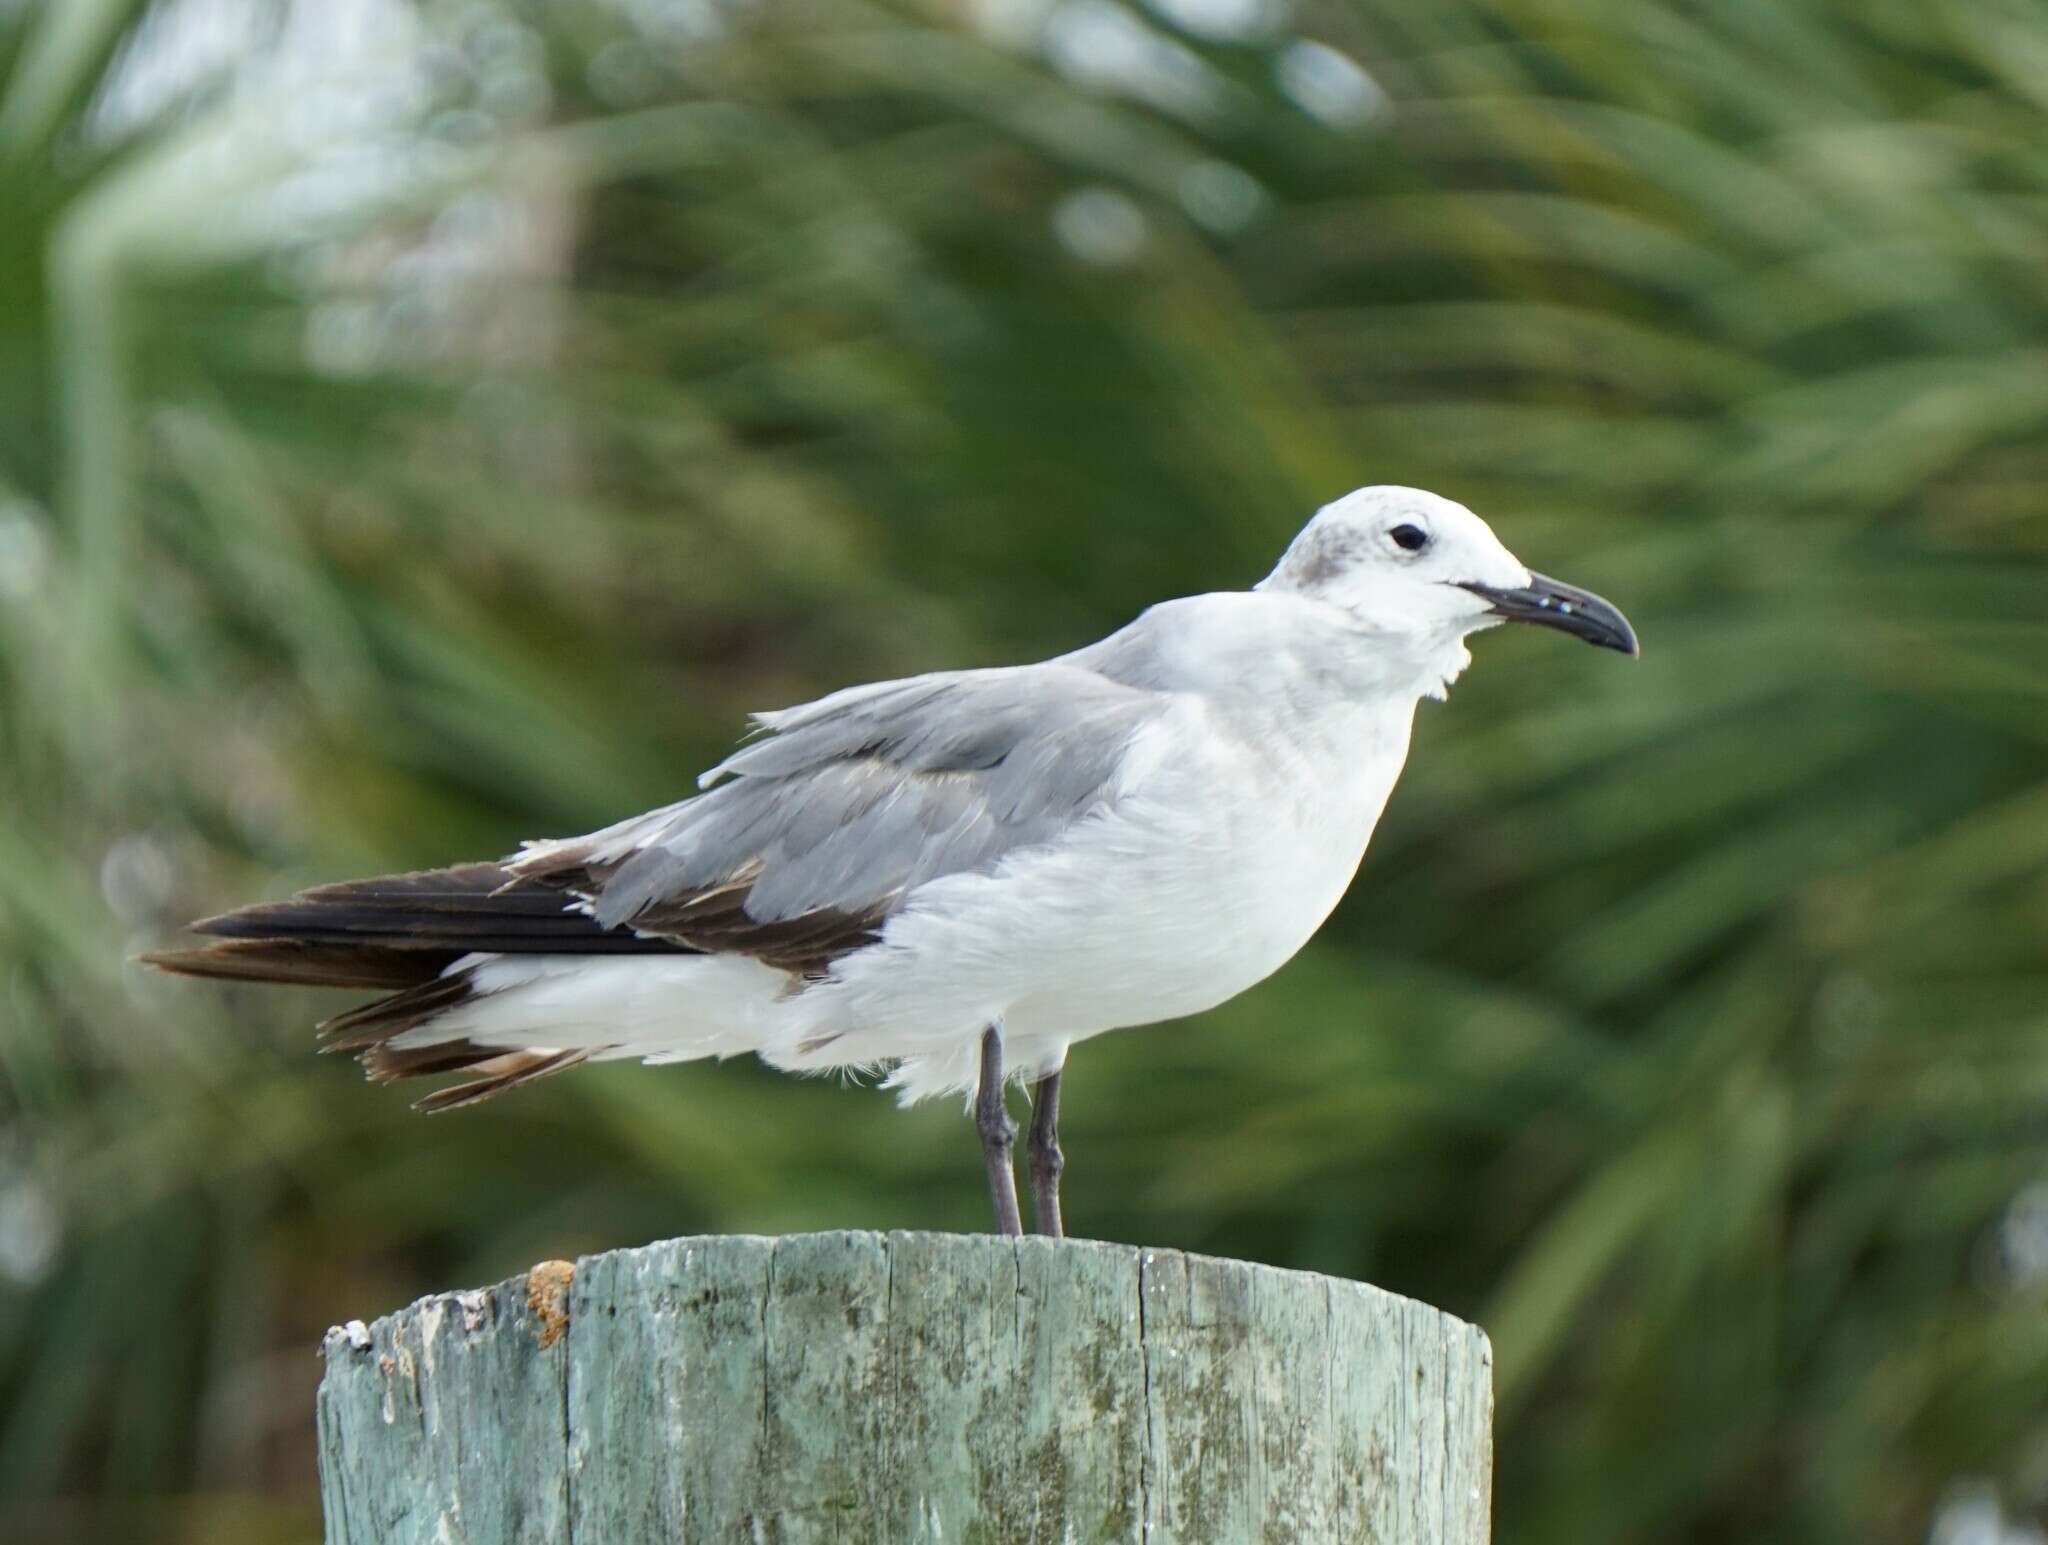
1046,1159
998,1134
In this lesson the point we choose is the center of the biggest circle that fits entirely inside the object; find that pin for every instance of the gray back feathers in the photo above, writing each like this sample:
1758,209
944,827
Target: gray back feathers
813,834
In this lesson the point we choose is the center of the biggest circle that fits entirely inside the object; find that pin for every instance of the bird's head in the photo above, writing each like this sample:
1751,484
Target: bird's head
1425,570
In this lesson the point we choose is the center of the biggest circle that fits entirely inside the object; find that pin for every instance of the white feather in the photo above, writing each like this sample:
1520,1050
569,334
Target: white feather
1237,820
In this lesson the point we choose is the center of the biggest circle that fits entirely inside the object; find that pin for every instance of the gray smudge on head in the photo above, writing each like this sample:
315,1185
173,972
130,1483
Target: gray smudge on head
1319,555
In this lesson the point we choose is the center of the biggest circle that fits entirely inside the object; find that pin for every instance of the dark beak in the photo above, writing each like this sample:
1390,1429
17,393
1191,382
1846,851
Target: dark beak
1554,604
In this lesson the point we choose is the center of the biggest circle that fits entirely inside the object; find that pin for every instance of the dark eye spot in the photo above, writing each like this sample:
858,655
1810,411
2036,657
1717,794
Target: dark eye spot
1410,539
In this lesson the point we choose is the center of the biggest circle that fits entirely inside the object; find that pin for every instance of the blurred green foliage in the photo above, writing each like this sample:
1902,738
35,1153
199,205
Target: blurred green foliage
428,425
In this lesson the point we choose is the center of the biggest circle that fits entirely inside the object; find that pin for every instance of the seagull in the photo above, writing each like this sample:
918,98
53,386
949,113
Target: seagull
953,878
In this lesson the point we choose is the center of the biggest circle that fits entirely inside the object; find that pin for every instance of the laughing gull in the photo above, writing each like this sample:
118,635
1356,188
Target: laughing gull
955,877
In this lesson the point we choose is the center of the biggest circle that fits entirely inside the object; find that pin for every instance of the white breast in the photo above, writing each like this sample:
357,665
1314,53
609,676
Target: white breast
1221,859
1284,823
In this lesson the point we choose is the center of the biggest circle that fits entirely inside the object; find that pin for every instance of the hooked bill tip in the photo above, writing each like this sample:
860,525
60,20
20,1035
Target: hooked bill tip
1551,603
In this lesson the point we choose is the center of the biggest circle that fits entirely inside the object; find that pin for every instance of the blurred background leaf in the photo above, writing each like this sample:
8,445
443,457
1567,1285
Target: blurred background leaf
425,425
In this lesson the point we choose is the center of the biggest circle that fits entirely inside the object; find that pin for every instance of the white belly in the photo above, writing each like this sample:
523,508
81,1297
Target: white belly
1206,877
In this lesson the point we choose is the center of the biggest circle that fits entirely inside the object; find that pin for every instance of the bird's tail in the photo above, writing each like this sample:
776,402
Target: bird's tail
416,937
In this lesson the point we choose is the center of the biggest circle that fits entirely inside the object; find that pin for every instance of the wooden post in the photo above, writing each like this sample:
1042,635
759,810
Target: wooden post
908,1387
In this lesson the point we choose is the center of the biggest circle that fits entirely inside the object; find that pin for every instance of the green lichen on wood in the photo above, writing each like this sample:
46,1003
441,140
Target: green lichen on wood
910,1388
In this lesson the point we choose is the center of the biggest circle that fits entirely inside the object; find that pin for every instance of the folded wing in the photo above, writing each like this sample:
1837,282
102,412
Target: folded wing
808,838
805,842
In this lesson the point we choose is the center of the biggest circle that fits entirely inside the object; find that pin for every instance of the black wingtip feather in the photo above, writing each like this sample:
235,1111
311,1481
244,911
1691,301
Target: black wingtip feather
303,963
400,934
397,930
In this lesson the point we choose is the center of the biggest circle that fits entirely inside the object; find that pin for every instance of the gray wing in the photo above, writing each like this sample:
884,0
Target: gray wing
808,838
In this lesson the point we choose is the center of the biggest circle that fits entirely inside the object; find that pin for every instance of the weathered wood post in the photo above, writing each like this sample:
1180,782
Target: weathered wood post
908,1387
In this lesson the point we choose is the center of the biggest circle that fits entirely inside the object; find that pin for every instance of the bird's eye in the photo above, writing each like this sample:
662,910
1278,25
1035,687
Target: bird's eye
1410,539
